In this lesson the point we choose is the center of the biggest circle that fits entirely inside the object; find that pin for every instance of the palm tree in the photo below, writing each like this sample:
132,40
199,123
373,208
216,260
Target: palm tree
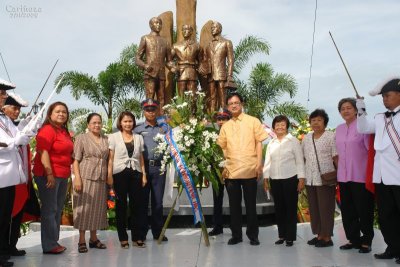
77,120
264,87
111,87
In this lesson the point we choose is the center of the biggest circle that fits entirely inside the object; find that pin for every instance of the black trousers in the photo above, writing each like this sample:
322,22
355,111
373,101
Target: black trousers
15,230
7,195
235,189
218,198
285,196
128,183
388,200
357,206
155,186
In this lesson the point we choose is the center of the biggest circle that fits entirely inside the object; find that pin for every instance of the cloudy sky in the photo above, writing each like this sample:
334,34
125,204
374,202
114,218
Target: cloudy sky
87,35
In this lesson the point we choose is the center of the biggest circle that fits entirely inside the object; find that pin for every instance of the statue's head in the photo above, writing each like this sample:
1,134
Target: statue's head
216,28
187,30
155,24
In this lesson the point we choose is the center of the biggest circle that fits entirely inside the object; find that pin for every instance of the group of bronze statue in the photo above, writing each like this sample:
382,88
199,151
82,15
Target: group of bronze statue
213,66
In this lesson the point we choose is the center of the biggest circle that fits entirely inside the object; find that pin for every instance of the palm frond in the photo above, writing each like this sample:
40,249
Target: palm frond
291,109
247,47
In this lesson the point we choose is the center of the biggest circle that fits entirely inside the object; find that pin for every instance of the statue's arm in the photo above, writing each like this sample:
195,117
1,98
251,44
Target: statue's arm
169,59
140,52
230,59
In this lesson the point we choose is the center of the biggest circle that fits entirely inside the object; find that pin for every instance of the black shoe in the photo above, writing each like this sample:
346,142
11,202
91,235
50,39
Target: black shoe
216,231
234,241
4,256
364,249
4,263
279,241
289,243
384,256
349,246
323,244
313,241
164,239
254,242
16,252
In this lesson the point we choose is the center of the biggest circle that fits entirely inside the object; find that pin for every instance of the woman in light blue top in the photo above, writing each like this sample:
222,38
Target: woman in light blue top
127,173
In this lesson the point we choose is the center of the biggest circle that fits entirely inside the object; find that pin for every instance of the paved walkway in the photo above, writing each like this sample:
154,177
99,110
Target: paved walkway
185,249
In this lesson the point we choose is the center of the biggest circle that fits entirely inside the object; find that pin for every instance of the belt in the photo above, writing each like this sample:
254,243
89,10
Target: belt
153,162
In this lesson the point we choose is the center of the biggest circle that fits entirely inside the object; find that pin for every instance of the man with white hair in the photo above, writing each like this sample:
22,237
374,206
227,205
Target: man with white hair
12,109
386,176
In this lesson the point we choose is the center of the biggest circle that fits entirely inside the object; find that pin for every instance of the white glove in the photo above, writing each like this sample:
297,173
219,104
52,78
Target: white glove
30,127
361,106
24,122
21,139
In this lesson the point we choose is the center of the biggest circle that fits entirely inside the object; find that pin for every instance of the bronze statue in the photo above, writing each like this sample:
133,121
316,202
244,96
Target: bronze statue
218,68
186,52
157,53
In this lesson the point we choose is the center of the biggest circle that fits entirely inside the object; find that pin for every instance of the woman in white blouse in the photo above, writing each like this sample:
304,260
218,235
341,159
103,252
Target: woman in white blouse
284,167
127,173
321,198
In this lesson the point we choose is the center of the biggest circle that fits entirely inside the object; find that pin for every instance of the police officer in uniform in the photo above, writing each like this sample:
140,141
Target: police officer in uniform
155,181
11,171
386,175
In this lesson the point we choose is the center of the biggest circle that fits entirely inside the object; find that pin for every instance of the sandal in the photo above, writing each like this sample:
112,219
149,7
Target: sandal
96,244
82,248
139,244
125,245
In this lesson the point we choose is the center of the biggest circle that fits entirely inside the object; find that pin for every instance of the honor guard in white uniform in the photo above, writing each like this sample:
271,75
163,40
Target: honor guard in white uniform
11,170
386,175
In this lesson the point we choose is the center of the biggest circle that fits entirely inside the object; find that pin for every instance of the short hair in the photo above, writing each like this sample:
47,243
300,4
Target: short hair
153,19
122,115
232,95
281,118
319,112
219,25
350,100
187,25
91,115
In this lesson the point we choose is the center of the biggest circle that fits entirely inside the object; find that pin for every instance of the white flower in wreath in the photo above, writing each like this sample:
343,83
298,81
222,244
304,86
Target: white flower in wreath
191,130
200,93
196,173
187,143
193,121
221,164
191,141
166,107
188,93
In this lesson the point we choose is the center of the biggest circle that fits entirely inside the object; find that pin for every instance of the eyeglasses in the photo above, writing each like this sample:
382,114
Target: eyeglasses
234,103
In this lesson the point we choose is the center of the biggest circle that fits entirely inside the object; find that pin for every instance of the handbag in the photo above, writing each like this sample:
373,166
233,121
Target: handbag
328,178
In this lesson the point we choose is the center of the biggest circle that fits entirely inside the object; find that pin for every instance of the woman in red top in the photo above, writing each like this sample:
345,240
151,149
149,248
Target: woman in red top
52,167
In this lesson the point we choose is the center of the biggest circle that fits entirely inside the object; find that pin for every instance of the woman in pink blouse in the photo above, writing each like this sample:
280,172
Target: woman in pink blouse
357,203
